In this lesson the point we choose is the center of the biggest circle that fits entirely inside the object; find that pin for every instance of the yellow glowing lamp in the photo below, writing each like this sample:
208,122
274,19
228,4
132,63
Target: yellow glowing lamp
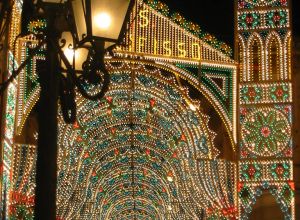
103,20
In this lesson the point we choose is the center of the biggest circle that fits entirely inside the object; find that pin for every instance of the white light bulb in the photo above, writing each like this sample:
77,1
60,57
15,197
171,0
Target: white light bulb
170,179
192,107
103,20
69,53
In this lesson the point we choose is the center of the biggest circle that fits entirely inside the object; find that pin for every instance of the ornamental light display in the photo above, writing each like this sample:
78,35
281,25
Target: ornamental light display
266,146
182,132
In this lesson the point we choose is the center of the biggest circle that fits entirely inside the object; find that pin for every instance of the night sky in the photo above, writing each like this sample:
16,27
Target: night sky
296,17
217,16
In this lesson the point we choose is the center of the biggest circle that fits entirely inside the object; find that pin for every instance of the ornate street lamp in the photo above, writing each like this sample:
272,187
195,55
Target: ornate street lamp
98,26
94,27
99,21
72,59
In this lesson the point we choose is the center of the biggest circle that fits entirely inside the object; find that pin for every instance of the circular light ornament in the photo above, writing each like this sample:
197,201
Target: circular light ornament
103,20
266,132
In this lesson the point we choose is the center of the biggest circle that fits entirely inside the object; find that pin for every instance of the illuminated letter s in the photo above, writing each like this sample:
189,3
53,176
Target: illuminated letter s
144,21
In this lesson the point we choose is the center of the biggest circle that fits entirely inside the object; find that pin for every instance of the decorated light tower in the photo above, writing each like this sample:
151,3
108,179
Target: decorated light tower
263,49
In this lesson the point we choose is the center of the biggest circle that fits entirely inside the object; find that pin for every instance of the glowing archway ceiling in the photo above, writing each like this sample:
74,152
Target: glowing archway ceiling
117,160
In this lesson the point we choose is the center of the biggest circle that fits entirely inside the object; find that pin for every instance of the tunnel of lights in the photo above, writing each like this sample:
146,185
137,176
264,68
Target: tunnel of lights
184,131
123,151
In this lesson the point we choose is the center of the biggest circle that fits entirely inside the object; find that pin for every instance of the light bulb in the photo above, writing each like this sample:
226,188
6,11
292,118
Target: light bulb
170,178
69,53
192,107
103,20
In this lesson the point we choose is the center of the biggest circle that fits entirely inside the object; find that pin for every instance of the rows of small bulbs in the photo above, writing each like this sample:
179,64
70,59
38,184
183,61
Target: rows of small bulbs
171,177
272,37
264,56
283,89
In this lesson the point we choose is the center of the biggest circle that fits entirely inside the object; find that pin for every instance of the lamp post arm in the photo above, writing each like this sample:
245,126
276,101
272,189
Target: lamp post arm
100,65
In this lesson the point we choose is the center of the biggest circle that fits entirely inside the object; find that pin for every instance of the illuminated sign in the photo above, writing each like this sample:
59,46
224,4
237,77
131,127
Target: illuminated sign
151,33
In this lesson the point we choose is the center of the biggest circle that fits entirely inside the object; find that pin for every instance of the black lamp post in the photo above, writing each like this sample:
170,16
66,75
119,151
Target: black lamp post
78,34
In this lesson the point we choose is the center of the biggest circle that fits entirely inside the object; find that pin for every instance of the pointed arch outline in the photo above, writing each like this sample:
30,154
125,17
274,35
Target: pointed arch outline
287,56
268,47
256,192
242,58
255,37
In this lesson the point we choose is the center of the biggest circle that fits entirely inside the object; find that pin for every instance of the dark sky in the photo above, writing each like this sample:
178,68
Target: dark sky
296,17
217,16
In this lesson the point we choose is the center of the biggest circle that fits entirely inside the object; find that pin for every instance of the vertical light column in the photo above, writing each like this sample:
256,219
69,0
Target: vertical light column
10,112
8,141
265,109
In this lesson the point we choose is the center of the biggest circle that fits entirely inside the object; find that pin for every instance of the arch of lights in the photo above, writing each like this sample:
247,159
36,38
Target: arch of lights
123,151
